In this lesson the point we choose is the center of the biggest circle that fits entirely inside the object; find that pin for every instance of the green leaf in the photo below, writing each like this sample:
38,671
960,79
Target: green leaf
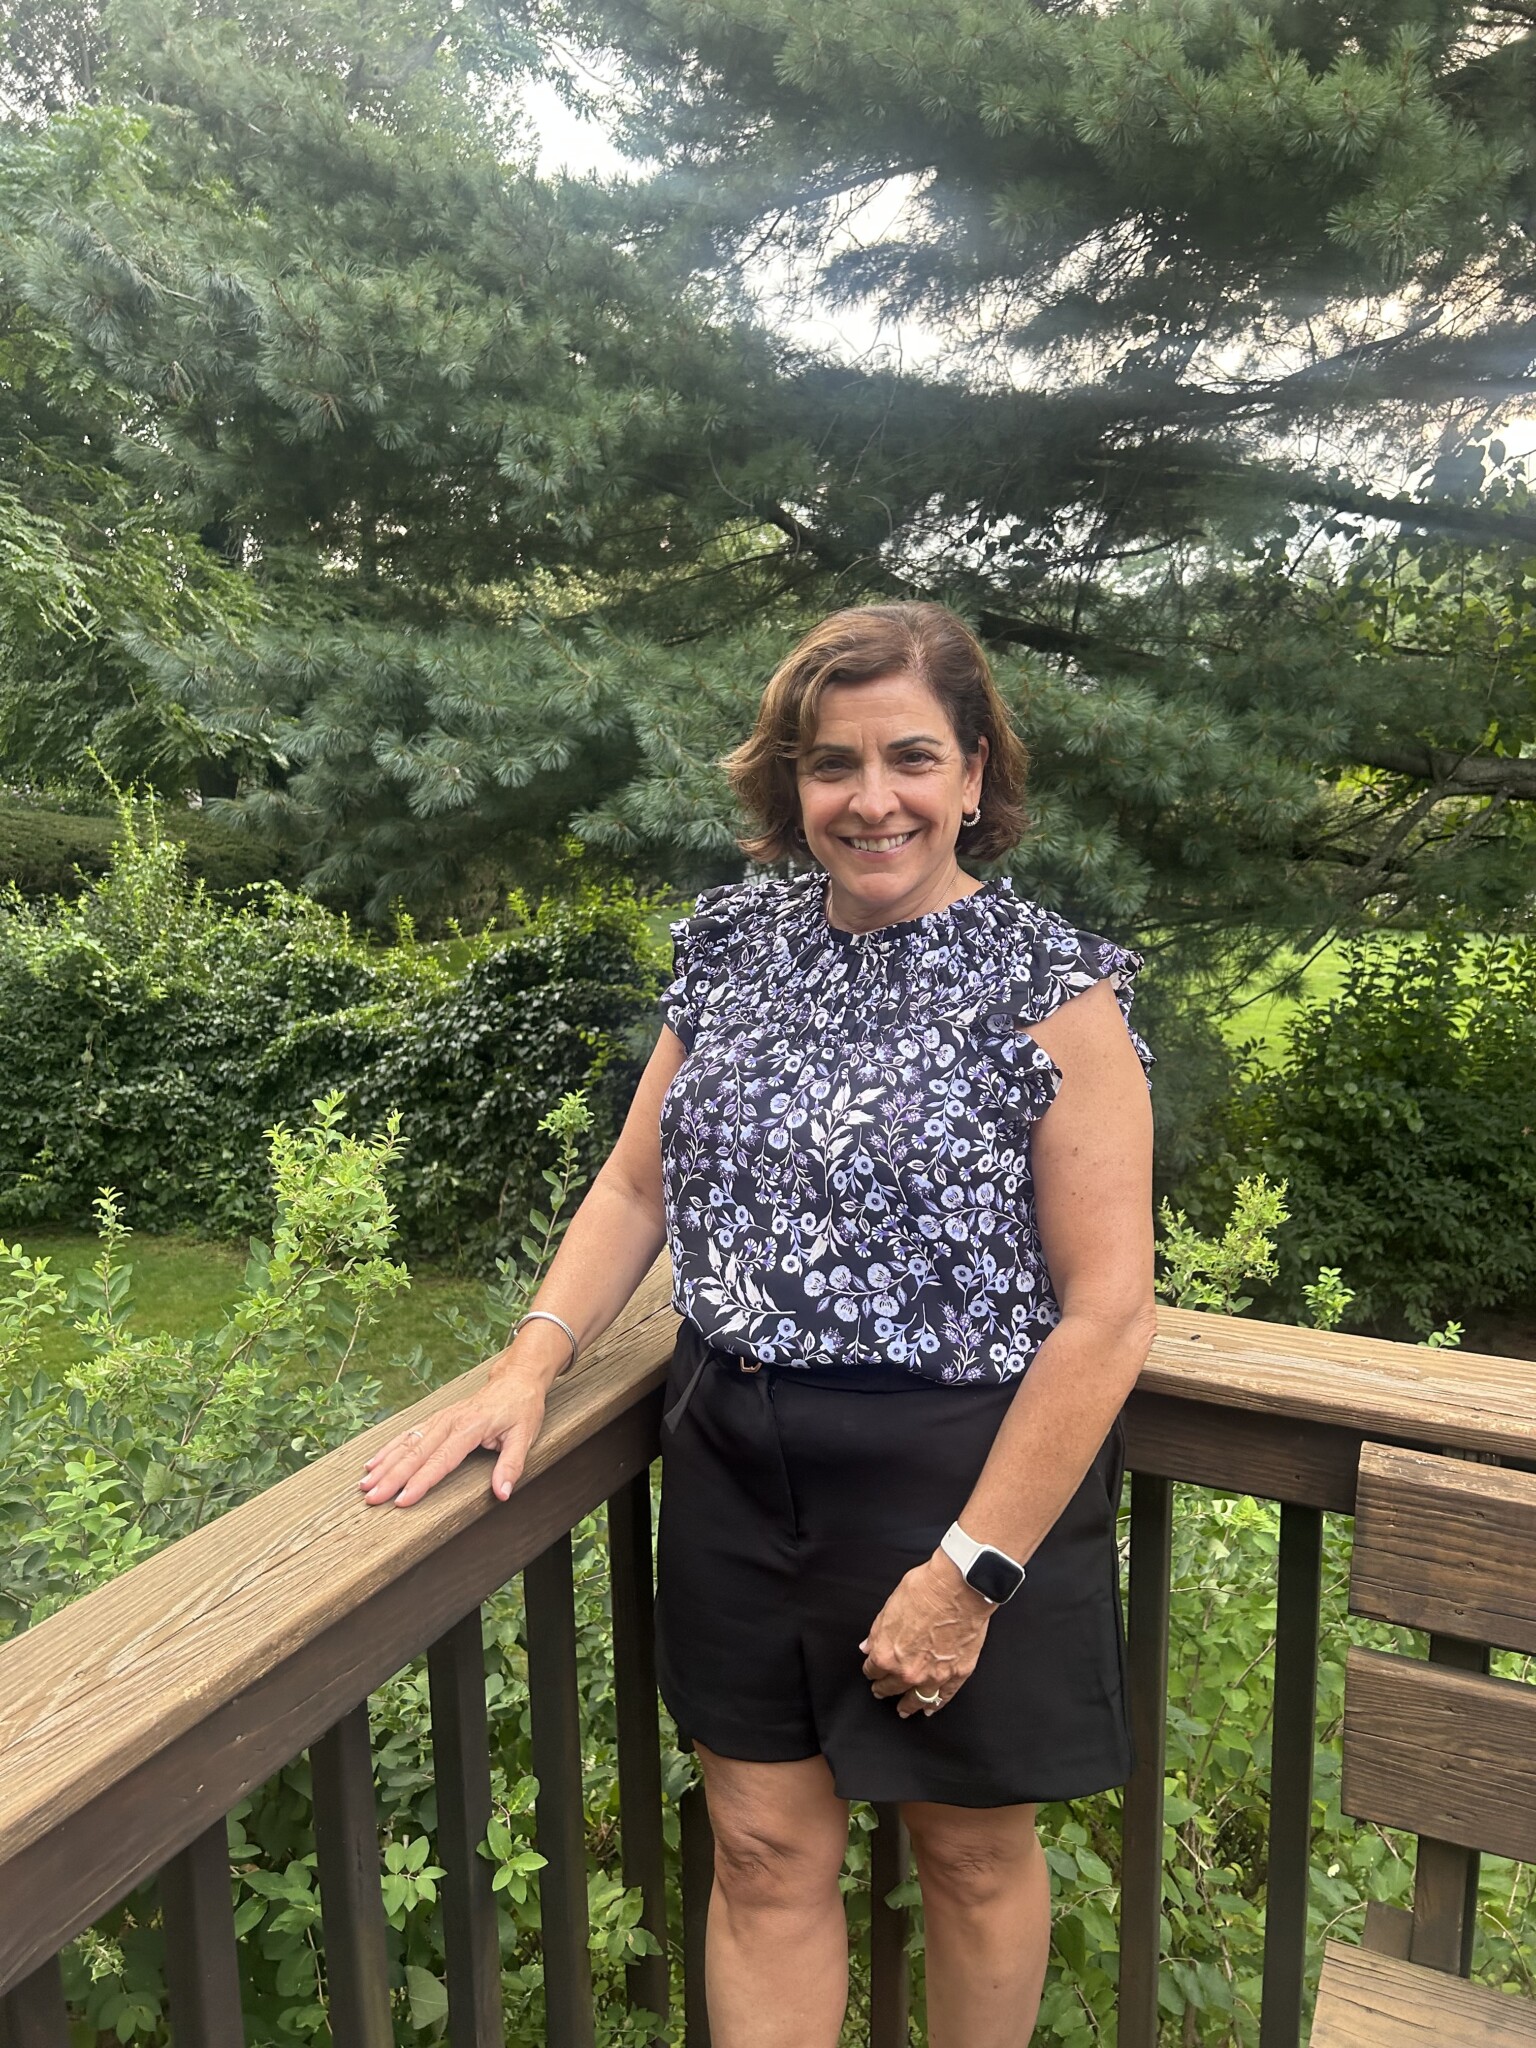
428,1997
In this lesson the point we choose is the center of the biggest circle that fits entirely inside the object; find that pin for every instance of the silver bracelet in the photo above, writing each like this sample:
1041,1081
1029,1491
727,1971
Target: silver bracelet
544,1315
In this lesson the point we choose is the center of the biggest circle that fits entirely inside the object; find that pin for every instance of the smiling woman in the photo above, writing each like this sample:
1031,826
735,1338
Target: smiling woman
896,1135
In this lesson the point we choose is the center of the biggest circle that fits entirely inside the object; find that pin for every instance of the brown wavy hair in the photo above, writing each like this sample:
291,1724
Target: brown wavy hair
862,645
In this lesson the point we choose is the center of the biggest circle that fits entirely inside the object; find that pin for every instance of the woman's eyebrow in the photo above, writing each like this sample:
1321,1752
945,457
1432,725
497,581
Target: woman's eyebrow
916,739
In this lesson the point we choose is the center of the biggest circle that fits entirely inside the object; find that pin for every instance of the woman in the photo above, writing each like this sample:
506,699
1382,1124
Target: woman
896,1133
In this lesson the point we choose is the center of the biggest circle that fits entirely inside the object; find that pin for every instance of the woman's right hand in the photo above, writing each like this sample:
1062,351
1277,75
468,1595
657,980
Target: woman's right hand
505,1417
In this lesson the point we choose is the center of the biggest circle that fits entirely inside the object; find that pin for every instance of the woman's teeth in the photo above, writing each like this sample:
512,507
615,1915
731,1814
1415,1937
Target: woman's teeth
881,845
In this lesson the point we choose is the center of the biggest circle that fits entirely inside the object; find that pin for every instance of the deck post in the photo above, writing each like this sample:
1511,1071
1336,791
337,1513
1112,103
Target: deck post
202,1958
461,1766
1298,1612
1141,1820
641,1844
560,1812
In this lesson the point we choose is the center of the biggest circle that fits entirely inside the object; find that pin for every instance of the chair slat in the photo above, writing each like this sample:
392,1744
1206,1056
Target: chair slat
1445,1545
1376,2001
1440,1752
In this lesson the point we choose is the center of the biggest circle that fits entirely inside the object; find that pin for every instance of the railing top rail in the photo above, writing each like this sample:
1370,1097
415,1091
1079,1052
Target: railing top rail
112,1680
96,1689
1456,1400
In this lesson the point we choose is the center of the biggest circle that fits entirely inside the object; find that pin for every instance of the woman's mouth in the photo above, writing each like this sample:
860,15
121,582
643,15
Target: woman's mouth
887,843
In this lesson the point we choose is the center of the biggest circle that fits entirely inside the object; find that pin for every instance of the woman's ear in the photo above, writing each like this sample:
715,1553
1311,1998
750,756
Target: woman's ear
974,769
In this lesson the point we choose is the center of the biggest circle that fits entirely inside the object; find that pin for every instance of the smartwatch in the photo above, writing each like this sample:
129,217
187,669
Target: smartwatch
991,1573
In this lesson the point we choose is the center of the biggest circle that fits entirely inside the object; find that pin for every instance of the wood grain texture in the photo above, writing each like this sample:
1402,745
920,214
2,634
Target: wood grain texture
1445,1545
1237,1450
1464,1400
68,1876
1377,2001
96,1689
1439,1752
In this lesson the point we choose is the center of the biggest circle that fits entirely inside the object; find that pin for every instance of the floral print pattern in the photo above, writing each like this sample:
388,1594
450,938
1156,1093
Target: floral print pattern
846,1146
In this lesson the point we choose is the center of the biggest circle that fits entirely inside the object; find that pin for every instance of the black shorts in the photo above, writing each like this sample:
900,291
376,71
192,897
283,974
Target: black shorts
793,1500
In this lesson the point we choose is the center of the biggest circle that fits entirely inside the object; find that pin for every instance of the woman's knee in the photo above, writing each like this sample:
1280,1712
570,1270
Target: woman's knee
974,1860
779,1839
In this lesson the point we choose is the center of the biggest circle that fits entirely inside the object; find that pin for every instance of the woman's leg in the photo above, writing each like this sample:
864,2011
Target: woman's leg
987,1920
777,1956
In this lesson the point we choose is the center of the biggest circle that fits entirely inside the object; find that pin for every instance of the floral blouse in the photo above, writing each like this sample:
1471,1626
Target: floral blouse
846,1146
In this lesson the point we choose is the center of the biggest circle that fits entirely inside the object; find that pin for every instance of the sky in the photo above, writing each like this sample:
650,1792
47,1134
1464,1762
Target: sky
567,142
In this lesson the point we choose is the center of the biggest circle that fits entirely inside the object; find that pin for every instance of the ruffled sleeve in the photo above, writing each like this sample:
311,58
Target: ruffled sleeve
1063,962
701,948
1046,963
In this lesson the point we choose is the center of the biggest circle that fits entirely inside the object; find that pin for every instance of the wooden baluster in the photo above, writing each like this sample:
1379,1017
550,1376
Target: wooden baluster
639,1731
1298,1614
1141,1821
32,2013
202,1962
890,1979
461,1765
698,1882
351,1903
560,1813
1445,1875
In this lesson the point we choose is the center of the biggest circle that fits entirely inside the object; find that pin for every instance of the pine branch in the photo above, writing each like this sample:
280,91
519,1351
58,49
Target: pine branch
1513,779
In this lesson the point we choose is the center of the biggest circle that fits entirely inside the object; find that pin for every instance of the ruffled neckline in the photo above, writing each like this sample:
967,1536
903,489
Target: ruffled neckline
941,925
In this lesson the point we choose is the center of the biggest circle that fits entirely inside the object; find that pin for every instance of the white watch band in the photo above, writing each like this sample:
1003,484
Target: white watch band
963,1551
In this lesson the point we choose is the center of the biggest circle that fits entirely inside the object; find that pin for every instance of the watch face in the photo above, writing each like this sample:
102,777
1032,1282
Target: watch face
995,1577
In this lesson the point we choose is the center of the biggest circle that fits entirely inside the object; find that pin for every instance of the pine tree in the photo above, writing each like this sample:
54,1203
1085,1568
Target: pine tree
531,504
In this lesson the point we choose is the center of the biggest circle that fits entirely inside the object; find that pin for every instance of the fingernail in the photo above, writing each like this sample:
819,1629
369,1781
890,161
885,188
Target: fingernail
865,1644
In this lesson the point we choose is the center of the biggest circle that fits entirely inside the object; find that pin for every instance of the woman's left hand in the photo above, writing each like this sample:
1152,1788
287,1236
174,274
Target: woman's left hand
926,1639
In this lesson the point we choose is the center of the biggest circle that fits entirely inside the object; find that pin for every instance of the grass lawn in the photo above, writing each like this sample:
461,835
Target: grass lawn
183,1284
1258,1015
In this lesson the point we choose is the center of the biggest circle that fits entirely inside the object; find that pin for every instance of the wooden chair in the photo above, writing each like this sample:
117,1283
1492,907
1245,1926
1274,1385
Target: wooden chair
1440,1749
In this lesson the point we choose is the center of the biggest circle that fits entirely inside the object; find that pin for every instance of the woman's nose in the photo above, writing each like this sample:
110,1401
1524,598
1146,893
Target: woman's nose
873,797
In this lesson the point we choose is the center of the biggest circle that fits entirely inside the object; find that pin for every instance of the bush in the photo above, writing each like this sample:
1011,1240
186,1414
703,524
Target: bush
145,1438
46,852
1403,1119
151,1034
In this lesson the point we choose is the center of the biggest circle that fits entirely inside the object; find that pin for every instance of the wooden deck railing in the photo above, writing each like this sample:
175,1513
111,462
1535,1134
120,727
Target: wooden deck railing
132,1722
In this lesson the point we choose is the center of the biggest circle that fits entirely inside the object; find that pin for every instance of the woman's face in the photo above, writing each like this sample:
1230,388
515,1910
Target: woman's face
882,787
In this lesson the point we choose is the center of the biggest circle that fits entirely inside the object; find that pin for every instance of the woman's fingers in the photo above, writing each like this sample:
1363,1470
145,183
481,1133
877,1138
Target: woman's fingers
415,1461
923,1644
411,1464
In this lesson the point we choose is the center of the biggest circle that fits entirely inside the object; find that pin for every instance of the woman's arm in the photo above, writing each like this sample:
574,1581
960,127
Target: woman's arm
1091,1156
609,1247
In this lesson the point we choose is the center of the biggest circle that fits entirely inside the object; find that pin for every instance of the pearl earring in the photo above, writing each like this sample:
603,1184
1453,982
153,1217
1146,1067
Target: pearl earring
971,817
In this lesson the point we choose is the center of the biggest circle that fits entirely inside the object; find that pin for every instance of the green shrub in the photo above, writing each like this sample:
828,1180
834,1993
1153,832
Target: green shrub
1403,1120
45,852
150,1034
144,1438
